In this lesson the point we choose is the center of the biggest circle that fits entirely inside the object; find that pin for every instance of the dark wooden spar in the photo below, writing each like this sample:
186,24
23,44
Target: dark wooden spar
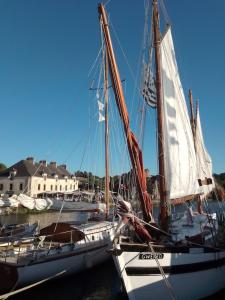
164,212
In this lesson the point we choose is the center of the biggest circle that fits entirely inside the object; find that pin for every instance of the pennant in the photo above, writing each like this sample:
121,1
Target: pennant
101,118
100,106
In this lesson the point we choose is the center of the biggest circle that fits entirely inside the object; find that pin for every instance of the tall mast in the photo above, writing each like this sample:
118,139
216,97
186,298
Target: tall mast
133,148
192,113
164,211
106,136
193,128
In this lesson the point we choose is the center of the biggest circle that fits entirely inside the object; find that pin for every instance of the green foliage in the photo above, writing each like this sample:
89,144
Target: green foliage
2,167
220,179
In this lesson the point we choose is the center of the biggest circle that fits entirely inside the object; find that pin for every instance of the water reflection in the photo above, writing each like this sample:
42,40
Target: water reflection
45,218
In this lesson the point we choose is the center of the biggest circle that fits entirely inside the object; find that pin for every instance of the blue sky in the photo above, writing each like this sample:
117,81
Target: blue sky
47,48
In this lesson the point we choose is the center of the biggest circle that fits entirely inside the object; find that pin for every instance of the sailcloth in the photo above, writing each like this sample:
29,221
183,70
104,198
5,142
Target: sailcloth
204,162
180,157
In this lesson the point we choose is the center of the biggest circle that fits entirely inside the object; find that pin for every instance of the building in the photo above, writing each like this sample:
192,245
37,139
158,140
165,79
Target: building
33,178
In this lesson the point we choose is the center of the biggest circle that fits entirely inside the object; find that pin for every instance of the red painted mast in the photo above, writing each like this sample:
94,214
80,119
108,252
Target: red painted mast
133,148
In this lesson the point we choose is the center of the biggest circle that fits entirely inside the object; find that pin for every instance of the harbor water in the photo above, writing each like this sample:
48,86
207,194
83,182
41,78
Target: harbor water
99,283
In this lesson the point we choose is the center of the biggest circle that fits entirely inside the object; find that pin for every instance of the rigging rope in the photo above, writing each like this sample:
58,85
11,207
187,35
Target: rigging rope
164,12
166,281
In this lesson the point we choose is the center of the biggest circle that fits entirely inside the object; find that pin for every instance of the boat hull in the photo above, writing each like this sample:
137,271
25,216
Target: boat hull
193,275
65,259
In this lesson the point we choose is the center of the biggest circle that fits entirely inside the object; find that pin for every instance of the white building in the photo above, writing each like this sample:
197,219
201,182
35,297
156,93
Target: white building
33,178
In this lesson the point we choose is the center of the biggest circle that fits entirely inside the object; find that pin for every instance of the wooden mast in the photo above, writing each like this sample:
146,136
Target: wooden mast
106,136
199,201
193,120
192,113
164,211
133,148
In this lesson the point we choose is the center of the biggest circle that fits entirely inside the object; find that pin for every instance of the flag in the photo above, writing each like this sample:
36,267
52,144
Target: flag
101,118
149,89
100,106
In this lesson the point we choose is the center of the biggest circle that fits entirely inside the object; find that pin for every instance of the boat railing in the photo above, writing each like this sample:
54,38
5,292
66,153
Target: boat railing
26,252
177,216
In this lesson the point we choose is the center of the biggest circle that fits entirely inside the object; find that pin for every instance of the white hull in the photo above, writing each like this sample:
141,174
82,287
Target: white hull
76,206
193,275
71,264
24,269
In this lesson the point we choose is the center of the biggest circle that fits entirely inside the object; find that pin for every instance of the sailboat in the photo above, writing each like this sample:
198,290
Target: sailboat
171,257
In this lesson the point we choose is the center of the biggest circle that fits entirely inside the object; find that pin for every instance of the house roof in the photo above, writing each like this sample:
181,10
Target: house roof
27,168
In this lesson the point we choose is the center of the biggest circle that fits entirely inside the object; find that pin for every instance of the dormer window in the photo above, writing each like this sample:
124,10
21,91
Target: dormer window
44,175
56,177
12,174
65,177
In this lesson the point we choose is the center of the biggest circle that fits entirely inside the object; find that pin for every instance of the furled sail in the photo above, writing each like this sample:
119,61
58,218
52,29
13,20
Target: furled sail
204,163
149,89
179,151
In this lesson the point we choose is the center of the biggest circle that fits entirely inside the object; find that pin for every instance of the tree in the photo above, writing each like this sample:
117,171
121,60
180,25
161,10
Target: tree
2,167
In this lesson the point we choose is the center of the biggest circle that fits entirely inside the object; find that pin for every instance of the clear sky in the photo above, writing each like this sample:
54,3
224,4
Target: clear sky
47,48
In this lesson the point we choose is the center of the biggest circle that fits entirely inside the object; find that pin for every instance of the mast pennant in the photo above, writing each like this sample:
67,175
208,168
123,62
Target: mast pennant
149,88
101,108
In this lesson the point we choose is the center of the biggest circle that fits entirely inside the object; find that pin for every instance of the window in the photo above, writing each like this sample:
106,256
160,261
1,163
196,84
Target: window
11,187
71,186
21,186
60,187
44,187
1,187
39,187
55,187
65,187
51,187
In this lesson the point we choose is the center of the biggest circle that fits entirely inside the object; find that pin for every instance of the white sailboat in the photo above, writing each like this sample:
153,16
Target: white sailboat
172,259
62,249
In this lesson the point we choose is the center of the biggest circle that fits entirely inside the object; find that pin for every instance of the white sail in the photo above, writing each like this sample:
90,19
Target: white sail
204,162
180,158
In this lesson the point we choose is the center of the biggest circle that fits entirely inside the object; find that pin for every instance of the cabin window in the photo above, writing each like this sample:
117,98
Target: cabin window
39,187
21,186
1,187
11,187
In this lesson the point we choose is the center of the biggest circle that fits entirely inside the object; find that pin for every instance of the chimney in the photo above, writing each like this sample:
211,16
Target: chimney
63,167
53,164
30,159
43,163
